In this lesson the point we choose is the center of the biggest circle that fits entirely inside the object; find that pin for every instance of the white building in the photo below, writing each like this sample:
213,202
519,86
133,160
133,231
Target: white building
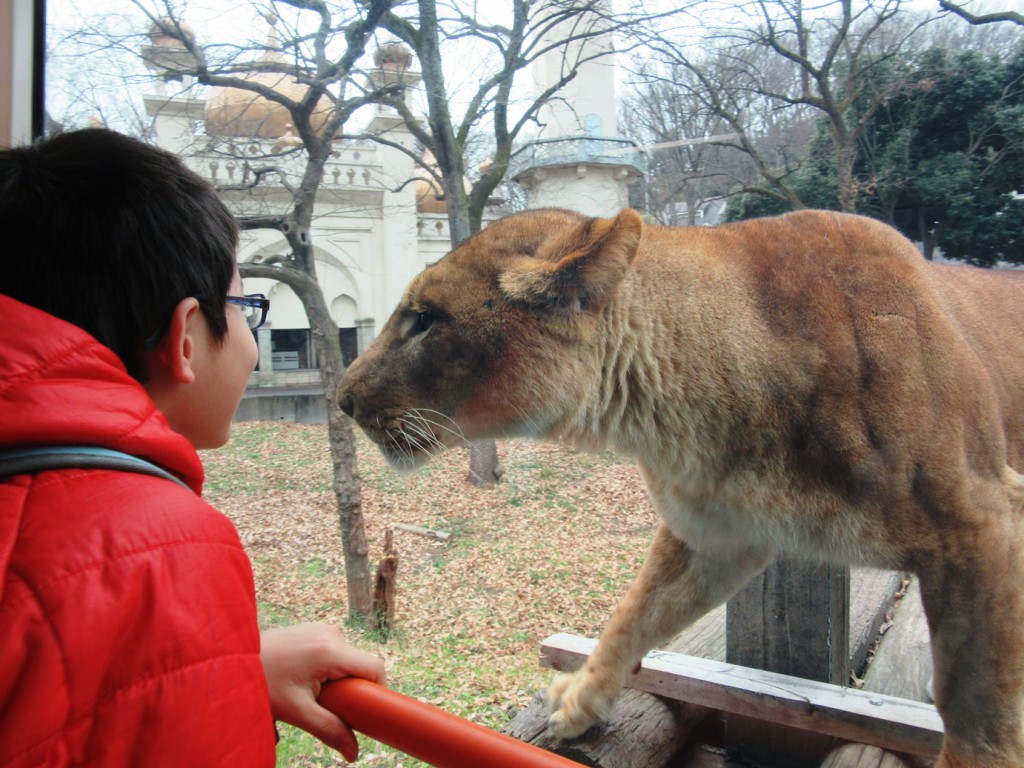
373,231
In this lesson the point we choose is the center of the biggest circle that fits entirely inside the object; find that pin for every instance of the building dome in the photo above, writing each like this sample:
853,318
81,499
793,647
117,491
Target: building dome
168,53
158,33
242,113
428,190
427,197
394,56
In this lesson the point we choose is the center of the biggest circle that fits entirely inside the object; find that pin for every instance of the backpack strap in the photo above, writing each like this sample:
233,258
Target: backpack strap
18,461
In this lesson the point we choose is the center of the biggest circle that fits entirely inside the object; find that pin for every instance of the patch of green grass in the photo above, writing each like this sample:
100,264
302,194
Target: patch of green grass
297,748
317,567
271,615
262,456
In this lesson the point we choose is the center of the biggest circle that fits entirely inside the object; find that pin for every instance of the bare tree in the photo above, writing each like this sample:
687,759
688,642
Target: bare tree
819,59
690,143
317,47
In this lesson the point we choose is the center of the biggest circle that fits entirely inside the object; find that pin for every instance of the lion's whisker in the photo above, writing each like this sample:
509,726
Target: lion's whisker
455,429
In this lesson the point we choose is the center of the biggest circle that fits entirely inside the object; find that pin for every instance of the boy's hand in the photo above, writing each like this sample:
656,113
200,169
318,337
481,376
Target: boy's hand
297,661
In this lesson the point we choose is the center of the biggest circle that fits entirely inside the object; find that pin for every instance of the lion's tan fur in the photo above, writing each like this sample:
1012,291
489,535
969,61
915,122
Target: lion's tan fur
806,385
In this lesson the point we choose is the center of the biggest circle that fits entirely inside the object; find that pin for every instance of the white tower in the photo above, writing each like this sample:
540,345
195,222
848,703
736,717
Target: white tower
578,160
173,109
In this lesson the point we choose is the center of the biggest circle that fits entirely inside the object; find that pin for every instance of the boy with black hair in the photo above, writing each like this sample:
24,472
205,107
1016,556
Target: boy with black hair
127,603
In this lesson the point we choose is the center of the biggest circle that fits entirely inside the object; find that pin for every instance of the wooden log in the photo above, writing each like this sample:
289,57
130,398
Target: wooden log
862,756
644,732
428,532
873,597
384,585
704,638
640,733
701,756
845,713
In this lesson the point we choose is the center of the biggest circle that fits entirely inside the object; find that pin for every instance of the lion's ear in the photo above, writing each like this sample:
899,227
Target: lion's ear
578,268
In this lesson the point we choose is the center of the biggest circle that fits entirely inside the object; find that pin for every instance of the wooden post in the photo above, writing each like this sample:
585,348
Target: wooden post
384,585
21,61
793,620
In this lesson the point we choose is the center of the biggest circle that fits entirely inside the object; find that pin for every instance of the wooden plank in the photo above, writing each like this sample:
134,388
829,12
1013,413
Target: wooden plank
860,716
902,665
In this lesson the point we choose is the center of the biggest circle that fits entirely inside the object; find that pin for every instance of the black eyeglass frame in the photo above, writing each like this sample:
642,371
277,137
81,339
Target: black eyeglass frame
254,300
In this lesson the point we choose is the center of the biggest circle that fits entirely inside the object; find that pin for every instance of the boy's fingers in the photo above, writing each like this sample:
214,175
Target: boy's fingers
333,732
361,665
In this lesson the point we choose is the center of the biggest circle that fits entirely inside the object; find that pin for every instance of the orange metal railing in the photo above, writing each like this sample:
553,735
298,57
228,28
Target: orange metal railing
427,733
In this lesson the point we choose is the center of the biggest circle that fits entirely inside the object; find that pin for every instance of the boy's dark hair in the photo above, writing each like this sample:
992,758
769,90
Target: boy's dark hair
110,233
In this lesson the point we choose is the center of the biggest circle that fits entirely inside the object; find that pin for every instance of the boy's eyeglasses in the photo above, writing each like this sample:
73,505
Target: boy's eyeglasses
254,307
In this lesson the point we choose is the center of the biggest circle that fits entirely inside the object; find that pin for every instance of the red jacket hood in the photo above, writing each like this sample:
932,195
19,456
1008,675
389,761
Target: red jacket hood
59,385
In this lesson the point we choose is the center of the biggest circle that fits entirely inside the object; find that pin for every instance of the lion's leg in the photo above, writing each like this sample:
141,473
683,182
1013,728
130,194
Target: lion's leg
974,600
675,587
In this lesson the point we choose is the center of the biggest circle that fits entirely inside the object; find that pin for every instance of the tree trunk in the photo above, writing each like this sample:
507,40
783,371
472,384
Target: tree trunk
347,488
484,468
927,236
846,154
340,438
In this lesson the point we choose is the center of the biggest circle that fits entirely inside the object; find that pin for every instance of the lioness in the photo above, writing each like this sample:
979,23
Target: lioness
806,385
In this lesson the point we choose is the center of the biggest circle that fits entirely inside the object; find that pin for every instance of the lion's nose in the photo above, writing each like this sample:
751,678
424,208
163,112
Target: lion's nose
347,404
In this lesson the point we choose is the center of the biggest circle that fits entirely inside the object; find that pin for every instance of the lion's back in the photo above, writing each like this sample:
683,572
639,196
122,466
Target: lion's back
987,309
881,330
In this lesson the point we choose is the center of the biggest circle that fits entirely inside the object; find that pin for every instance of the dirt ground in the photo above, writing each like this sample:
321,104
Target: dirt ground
550,549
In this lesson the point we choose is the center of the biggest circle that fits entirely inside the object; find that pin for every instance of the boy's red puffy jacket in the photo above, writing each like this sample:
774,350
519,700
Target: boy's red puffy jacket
128,632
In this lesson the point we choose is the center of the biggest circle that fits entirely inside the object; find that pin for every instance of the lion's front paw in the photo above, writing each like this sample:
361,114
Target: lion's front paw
578,701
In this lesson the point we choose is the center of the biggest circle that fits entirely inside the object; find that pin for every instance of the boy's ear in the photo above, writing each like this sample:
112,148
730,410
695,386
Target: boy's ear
577,269
176,353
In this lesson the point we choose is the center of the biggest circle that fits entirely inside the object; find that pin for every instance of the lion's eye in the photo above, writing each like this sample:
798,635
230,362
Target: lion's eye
423,322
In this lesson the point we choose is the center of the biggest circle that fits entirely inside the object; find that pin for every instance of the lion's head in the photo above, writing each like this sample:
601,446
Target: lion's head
495,339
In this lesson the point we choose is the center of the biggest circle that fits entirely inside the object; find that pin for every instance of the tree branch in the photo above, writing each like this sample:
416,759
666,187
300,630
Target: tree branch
985,18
